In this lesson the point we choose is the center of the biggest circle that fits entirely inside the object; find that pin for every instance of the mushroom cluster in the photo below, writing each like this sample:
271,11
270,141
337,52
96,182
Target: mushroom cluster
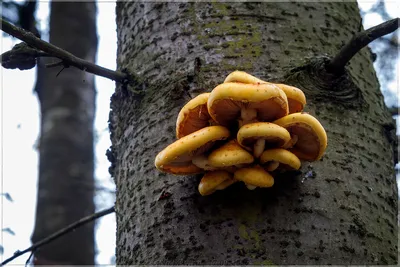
245,129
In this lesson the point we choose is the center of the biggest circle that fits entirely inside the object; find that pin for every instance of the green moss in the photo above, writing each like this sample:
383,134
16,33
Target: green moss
238,247
264,262
246,40
209,46
250,213
255,238
226,26
194,26
239,42
243,232
240,66
208,68
220,9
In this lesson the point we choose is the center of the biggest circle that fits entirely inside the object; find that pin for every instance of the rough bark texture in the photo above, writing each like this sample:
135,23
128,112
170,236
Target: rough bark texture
66,179
340,210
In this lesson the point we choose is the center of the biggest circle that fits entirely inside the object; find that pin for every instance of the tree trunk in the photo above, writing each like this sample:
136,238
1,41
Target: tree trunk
67,101
339,210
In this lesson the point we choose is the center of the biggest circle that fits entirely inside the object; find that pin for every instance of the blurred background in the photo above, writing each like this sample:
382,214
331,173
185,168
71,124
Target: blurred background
20,121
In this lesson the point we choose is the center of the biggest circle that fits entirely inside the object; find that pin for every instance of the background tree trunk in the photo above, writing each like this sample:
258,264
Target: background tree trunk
340,210
66,182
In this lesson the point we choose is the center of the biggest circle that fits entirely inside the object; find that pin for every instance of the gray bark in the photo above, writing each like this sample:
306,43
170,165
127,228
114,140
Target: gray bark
340,210
67,101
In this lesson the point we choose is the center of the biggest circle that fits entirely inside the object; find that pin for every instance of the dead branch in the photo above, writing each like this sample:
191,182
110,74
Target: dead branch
68,58
359,41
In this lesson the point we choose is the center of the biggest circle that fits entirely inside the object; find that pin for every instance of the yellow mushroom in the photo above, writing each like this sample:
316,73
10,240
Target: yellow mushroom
260,135
181,157
215,180
193,116
231,103
242,77
295,97
279,158
309,137
254,177
230,156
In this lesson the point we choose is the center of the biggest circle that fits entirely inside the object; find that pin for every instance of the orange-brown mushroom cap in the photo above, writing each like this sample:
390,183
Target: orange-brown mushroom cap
177,157
193,116
286,159
228,100
311,136
255,176
215,180
229,154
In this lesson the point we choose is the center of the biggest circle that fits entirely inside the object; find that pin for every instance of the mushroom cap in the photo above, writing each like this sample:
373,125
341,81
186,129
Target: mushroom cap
274,135
242,77
177,157
296,98
193,116
212,180
256,176
312,138
229,154
282,156
226,101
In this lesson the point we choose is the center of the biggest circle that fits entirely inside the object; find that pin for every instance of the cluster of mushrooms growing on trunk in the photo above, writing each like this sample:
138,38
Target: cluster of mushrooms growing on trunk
245,130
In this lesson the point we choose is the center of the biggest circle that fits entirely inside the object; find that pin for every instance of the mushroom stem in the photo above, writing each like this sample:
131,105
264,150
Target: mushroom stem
251,187
201,161
259,147
272,166
247,116
293,140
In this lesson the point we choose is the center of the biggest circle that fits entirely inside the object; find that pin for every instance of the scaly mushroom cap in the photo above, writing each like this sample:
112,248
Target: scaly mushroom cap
271,135
279,158
193,116
230,154
255,176
296,98
177,157
215,180
242,77
228,100
310,136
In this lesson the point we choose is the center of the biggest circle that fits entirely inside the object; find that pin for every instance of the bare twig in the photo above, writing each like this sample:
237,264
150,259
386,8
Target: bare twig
359,41
60,233
63,68
30,257
68,58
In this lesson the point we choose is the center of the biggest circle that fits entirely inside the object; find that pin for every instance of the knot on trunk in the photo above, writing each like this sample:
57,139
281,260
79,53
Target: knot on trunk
315,80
